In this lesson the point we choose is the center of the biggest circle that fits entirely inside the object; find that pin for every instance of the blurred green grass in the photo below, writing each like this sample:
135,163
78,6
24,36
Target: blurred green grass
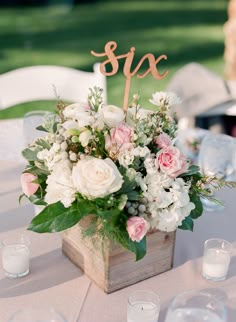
62,35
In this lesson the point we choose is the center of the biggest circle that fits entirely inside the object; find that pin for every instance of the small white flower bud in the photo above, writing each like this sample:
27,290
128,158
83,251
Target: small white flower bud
64,145
73,156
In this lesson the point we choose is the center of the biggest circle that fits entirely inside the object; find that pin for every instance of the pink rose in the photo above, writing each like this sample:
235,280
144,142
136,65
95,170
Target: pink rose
137,228
163,141
119,136
29,187
171,161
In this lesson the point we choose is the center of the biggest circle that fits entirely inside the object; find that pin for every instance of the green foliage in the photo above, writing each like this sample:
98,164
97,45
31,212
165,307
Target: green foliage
192,170
56,217
187,224
139,249
197,211
42,143
31,154
41,128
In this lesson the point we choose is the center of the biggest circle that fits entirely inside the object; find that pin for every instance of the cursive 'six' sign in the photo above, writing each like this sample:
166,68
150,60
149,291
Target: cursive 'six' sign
112,59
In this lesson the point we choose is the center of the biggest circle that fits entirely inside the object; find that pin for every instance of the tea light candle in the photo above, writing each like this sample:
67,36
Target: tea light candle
15,260
143,311
216,261
143,306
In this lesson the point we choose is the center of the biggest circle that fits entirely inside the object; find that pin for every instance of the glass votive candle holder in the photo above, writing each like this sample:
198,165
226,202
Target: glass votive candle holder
39,314
143,306
16,256
196,306
216,259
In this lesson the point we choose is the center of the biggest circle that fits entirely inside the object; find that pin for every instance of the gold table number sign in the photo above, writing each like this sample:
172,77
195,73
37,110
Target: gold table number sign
109,49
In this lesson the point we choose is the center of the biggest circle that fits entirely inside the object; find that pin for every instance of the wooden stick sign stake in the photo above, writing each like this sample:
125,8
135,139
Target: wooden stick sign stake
110,47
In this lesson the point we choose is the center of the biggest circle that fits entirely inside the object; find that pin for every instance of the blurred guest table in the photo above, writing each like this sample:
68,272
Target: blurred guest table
54,280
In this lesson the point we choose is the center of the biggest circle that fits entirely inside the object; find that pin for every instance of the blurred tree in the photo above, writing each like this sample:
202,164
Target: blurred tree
11,3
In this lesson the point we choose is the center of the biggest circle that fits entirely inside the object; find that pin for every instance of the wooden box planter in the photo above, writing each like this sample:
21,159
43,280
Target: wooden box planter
112,267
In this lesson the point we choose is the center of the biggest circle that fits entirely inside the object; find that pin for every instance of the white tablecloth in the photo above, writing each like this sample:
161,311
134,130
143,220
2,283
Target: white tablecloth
54,280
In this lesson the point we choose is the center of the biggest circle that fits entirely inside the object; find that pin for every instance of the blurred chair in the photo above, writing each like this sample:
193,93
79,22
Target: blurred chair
206,99
37,83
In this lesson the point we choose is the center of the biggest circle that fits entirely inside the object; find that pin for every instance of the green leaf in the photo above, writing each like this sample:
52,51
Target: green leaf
37,201
197,211
56,217
36,171
139,249
193,169
133,195
127,186
41,128
20,197
54,127
30,155
107,213
187,224
44,144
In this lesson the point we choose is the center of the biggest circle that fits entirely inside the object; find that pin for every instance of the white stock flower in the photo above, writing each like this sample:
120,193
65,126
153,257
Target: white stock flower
96,178
167,99
126,158
112,115
85,137
98,121
60,186
141,152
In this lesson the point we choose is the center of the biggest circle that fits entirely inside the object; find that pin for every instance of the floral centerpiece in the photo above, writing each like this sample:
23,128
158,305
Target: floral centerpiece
123,168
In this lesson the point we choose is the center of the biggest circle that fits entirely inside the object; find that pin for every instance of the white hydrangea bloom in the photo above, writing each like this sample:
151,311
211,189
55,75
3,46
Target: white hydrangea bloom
140,181
60,186
172,217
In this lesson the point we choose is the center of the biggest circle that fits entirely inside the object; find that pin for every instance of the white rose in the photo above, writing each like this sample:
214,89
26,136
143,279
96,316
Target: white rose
85,137
73,111
79,112
112,115
96,178
60,186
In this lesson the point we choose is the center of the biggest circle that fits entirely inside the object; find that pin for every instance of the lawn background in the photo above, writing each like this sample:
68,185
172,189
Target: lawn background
64,35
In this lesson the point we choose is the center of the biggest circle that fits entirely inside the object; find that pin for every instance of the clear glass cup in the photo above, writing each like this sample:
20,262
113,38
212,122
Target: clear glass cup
16,256
143,306
216,259
37,315
31,121
217,158
196,306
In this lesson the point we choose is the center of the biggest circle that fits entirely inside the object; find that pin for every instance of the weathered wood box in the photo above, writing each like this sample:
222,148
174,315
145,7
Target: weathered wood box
112,267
